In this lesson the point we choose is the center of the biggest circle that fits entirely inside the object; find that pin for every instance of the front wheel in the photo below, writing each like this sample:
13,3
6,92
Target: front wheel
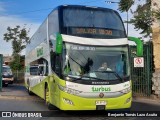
29,89
47,99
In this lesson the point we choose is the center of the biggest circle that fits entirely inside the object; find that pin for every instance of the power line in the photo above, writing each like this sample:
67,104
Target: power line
90,1
38,10
30,11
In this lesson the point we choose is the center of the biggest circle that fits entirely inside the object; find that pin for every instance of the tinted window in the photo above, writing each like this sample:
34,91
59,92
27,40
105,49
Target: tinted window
93,18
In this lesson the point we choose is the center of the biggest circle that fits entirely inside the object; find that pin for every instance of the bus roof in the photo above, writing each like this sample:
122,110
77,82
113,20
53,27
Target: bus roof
81,7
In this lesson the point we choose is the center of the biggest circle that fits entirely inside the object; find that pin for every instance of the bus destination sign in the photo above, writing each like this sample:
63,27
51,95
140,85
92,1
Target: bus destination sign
95,31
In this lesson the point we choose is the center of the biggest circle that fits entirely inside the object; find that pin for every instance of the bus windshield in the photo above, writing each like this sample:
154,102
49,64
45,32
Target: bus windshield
93,23
104,63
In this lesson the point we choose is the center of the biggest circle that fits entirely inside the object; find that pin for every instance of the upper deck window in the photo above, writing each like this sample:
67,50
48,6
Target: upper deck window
76,17
99,19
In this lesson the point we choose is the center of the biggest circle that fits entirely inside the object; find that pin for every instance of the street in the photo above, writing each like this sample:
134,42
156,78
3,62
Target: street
15,98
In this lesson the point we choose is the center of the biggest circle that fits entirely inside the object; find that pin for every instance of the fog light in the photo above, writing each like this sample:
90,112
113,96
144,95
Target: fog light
128,100
68,101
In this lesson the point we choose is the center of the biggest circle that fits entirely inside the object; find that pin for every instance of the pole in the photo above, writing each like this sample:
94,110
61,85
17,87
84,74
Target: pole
127,22
126,11
1,64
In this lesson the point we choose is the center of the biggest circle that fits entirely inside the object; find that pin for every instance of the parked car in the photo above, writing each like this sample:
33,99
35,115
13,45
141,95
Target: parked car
7,75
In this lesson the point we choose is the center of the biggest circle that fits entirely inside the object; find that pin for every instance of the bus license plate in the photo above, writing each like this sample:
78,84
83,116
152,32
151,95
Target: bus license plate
101,102
100,105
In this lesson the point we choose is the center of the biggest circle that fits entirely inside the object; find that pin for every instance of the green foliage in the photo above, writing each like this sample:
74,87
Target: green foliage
142,19
16,63
124,5
18,37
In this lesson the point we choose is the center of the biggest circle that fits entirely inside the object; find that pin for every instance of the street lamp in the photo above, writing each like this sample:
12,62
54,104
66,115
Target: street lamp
109,2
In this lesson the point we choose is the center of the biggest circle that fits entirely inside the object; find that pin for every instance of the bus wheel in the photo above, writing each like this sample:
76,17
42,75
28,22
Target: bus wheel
47,99
29,91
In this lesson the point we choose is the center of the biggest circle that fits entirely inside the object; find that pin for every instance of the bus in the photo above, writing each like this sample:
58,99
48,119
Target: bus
70,46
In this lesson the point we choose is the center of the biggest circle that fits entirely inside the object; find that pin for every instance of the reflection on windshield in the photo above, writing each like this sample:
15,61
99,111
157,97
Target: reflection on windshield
104,63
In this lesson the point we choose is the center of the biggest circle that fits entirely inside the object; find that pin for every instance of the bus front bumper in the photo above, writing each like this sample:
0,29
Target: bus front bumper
71,102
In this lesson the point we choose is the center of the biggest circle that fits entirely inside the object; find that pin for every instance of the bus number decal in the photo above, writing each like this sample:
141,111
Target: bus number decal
77,47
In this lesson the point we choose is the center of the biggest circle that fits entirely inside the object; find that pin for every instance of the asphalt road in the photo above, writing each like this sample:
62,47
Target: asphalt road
15,98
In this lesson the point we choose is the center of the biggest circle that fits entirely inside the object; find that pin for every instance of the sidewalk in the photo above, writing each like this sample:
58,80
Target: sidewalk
150,100
16,91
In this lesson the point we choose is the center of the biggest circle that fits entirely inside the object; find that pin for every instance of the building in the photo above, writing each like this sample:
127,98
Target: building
155,5
7,59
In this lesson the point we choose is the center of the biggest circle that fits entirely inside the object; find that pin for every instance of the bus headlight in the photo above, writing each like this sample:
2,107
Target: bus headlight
125,91
69,90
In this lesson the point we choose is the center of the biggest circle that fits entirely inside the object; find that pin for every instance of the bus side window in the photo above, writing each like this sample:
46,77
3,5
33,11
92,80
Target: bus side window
33,70
41,71
44,69
57,65
52,56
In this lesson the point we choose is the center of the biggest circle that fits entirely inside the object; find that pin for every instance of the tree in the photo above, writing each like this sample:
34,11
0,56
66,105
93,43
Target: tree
19,38
142,19
125,5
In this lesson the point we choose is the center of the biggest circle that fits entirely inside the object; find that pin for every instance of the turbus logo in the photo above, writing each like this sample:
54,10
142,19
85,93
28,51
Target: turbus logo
101,89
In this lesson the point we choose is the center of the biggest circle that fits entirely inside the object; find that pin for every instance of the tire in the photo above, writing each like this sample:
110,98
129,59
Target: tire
28,89
11,82
47,99
5,85
29,92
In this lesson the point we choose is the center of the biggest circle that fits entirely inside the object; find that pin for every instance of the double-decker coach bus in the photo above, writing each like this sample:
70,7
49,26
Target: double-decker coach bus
78,59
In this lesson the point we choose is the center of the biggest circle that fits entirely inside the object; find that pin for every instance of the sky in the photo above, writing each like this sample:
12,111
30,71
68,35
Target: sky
31,13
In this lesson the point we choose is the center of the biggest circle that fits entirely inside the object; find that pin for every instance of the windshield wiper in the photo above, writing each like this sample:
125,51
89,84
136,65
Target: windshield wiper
91,77
116,74
79,77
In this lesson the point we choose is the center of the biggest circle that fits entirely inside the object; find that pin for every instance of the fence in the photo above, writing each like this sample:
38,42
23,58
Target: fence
142,76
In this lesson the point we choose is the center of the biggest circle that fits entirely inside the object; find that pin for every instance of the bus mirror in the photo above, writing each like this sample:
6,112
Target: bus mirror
139,44
59,44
